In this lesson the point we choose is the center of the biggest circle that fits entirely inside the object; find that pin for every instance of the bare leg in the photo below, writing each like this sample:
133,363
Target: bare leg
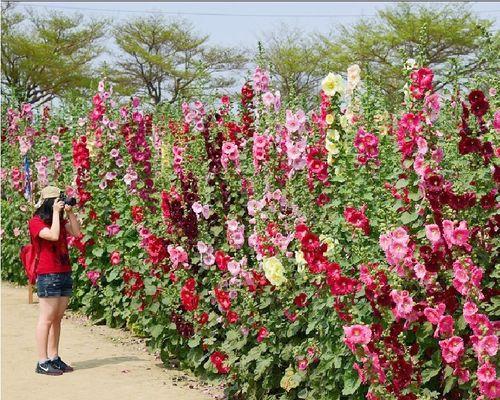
55,330
49,312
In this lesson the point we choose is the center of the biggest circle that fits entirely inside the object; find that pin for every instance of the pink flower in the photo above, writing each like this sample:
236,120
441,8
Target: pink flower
490,389
268,99
115,258
434,314
302,364
451,349
489,345
404,303
445,326
113,229
432,233
470,309
262,334
357,334
93,276
486,373
496,121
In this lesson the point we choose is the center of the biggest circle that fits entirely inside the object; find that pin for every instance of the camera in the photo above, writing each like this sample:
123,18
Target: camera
70,201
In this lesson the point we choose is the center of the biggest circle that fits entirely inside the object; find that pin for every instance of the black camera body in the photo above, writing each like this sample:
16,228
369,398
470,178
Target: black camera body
70,201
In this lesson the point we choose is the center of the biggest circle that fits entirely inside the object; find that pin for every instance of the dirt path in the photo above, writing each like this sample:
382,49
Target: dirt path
109,364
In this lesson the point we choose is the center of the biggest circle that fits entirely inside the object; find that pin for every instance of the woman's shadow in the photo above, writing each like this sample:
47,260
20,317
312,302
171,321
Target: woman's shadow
99,362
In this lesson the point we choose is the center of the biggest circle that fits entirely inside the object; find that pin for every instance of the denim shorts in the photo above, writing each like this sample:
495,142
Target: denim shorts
54,285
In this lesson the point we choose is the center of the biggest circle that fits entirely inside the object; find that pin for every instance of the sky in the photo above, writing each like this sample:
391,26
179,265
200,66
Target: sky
238,23
245,22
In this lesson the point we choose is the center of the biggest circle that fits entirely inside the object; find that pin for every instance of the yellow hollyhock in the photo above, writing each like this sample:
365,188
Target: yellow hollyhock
333,83
274,271
331,147
329,119
288,382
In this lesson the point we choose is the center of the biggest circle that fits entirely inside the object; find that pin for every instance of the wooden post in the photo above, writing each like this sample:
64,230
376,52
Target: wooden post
30,293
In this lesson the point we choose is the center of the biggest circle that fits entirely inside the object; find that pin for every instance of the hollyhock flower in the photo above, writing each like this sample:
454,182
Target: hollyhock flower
223,299
353,77
300,300
268,99
112,229
490,389
445,326
234,268
404,303
488,345
115,258
486,373
177,255
357,334
496,121
357,218
332,84
470,309
432,106
93,277
434,314
302,364
432,232
217,358
451,349
274,271
262,334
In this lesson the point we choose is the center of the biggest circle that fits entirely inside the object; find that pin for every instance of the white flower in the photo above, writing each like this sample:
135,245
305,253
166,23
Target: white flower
353,77
333,83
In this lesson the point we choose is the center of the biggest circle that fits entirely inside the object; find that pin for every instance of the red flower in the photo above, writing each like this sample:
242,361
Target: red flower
232,317
217,359
357,218
300,300
262,334
222,259
203,318
137,214
223,299
189,299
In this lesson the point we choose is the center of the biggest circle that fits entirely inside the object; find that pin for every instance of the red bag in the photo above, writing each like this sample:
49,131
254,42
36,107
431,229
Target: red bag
30,255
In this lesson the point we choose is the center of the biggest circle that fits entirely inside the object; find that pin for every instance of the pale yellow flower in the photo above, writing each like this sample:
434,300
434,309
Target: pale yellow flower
289,381
333,83
344,123
353,77
331,147
329,119
333,135
274,271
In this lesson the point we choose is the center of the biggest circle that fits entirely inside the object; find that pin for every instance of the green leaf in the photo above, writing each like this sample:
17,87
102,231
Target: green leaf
98,252
406,217
401,183
194,341
156,331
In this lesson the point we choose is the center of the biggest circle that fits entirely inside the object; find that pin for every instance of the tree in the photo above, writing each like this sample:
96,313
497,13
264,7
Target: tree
47,57
167,60
295,61
435,36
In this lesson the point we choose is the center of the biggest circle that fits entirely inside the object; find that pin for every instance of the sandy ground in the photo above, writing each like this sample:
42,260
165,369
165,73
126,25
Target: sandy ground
110,364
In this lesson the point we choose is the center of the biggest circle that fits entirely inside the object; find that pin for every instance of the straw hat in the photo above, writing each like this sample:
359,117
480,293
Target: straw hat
48,192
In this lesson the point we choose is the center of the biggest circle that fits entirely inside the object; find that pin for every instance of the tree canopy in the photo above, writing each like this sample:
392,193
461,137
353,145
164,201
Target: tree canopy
48,57
167,60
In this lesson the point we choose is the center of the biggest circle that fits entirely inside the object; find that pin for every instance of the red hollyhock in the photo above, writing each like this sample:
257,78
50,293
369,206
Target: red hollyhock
232,317
217,359
189,297
223,299
115,258
137,214
262,334
222,259
300,300
357,218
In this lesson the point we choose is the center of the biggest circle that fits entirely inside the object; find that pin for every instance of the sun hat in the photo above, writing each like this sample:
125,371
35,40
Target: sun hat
48,192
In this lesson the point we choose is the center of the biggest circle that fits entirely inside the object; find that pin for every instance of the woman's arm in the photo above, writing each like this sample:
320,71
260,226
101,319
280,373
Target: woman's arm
73,226
53,232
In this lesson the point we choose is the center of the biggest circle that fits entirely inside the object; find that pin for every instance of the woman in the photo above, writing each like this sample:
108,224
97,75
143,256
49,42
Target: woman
49,231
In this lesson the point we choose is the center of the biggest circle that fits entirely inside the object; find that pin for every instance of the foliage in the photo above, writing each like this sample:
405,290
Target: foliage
342,253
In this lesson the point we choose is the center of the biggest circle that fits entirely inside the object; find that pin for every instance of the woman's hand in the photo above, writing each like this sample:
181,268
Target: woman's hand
68,208
58,206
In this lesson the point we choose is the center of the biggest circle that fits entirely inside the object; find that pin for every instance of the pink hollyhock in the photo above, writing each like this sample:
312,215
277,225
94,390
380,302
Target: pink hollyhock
490,389
404,303
432,232
113,229
115,258
434,314
357,334
177,255
93,277
302,364
470,309
486,373
451,349
496,121
445,326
